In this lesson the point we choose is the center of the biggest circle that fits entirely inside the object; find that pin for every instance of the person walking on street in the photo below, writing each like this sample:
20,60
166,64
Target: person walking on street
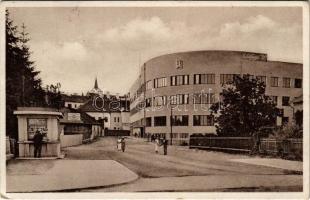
123,144
156,145
119,141
165,145
37,142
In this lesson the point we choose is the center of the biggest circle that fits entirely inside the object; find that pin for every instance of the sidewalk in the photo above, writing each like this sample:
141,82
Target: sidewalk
273,162
56,175
209,183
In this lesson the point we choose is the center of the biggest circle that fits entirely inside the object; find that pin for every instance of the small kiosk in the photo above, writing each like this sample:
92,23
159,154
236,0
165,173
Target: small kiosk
45,120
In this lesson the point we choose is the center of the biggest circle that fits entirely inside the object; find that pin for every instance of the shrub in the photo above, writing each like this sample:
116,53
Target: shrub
288,131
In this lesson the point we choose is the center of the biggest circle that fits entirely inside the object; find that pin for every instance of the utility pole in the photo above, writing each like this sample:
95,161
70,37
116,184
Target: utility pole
170,122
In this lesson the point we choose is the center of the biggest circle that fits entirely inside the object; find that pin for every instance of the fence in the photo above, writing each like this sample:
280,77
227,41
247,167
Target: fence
116,133
222,143
282,147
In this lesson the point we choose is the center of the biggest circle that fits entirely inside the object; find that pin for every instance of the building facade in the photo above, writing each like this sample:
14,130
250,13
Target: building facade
173,92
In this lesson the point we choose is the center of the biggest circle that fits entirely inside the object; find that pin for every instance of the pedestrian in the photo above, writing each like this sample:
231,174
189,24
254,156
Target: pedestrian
119,140
37,142
165,145
156,145
123,144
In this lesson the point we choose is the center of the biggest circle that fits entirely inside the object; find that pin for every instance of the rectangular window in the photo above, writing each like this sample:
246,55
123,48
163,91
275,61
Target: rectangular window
36,124
204,98
160,101
148,121
179,120
160,82
227,78
274,81
284,120
286,82
274,99
179,80
149,85
203,120
183,135
298,83
285,101
160,121
281,112
148,102
179,99
262,79
249,76
204,79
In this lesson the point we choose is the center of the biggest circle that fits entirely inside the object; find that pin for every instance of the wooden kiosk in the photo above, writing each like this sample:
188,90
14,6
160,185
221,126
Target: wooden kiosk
46,120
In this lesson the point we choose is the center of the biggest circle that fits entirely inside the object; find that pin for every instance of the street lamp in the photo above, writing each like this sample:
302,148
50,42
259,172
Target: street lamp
171,120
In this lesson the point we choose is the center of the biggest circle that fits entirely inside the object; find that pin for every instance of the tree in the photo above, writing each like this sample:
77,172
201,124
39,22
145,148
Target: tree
23,87
244,108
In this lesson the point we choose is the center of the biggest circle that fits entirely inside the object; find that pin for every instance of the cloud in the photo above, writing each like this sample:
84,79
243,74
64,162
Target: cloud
64,51
253,24
260,33
112,54
137,29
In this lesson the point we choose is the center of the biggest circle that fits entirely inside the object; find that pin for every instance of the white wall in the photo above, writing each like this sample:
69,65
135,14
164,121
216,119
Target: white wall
101,115
70,140
73,104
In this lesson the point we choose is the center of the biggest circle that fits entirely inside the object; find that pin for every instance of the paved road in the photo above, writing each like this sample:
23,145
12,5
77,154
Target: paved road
185,169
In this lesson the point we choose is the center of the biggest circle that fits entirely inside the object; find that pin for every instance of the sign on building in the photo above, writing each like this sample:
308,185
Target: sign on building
179,64
74,116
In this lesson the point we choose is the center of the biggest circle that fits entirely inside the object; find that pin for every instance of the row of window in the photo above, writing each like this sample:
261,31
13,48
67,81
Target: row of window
181,120
224,78
285,100
180,99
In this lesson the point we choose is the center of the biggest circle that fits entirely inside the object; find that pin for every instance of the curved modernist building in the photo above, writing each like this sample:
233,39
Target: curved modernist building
173,92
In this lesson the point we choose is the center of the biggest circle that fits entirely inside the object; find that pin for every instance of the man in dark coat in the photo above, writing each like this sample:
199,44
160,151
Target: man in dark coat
37,142
165,144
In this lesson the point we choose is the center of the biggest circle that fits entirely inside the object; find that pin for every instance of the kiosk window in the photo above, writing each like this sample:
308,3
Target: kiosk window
34,124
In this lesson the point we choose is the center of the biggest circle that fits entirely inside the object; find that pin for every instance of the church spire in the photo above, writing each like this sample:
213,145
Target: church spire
96,84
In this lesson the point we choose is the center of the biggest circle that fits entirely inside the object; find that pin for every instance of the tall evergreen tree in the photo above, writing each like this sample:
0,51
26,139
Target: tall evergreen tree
23,87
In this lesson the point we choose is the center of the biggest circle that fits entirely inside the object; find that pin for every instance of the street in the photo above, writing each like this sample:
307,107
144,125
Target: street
184,169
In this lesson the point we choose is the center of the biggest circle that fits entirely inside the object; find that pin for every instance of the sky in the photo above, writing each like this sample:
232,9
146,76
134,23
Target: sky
74,45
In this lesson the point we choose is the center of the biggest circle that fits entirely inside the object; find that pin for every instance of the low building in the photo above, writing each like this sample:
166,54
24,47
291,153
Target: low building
78,127
113,111
45,120
74,101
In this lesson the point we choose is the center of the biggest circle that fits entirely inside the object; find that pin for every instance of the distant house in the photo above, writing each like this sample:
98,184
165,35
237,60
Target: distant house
78,127
113,110
74,101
